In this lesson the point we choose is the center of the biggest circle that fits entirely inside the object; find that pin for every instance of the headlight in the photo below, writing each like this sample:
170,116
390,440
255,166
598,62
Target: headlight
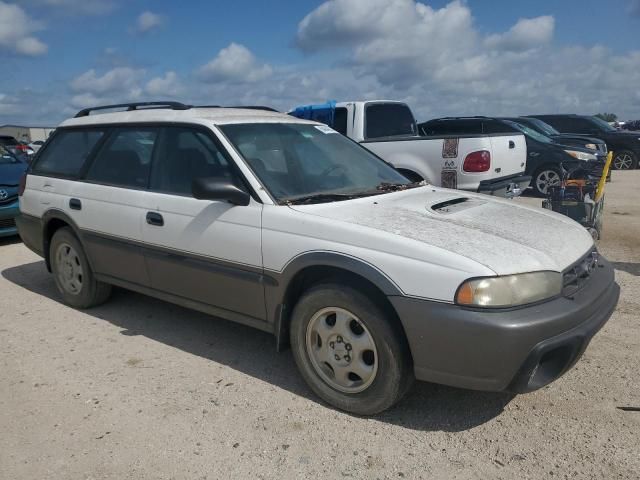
509,290
591,146
581,155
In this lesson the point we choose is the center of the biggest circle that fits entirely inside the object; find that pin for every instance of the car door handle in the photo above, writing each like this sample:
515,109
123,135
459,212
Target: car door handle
155,219
512,144
75,204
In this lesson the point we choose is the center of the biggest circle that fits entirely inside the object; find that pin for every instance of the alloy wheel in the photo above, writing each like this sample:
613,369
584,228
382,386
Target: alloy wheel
546,179
623,161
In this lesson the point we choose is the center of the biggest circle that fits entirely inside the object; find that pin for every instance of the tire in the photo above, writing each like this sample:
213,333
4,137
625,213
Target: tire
624,160
72,273
545,177
376,342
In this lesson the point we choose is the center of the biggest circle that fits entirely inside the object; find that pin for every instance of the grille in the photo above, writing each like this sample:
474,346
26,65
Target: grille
7,223
577,276
8,200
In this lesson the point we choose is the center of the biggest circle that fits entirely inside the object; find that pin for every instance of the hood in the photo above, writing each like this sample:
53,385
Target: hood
10,173
503,235
569,139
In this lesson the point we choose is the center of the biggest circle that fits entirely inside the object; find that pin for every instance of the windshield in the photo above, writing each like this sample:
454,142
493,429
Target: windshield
298,160
7,157
602,124
543,127
529,132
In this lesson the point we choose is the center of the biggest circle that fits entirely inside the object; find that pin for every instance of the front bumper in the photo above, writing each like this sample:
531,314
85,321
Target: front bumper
518,350
8,214
509,187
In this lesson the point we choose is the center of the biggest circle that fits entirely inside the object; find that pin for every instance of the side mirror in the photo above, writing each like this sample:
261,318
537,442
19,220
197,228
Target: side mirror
217,188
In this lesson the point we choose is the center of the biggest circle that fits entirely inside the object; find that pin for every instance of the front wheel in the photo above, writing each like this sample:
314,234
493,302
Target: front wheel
72,272
624,160
350,350
545,177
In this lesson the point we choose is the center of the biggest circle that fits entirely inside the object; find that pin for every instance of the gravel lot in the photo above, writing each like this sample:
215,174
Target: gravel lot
141,389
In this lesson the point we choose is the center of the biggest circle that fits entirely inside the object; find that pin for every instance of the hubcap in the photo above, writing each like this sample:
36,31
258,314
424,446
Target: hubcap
342,350
69,269
546,179
623,162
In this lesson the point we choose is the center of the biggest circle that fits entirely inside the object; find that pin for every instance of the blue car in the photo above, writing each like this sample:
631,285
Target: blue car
11,171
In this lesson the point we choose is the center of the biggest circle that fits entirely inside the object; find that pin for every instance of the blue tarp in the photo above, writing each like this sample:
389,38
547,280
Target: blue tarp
323,112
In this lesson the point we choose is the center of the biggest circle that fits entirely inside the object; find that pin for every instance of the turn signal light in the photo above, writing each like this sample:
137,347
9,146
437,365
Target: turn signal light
479,161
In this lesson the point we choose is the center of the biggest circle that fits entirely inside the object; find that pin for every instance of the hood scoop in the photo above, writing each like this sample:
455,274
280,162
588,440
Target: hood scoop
456,205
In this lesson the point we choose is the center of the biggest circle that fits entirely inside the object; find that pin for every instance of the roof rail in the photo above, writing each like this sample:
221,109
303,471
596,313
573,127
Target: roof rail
256,107
248,107
134,106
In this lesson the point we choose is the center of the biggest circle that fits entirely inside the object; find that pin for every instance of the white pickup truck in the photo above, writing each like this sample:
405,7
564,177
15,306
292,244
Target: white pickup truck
486,163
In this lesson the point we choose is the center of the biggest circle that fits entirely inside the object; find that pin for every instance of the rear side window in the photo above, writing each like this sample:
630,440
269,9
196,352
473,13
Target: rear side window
187,154
125,159
389,120
340,120
66,153
452,127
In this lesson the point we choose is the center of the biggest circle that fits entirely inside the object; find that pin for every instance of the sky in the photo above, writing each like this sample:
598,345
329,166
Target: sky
473,57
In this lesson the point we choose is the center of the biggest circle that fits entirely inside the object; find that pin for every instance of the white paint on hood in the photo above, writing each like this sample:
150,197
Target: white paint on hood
502,235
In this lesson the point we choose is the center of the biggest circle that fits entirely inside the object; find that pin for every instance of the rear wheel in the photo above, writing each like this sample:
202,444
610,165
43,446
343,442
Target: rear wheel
624,160
349,349
72,274
545,177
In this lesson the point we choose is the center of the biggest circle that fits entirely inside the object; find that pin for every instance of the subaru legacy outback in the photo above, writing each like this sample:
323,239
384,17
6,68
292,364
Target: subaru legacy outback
286,226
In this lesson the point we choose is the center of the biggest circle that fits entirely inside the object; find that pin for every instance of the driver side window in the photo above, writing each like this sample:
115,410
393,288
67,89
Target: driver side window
184,155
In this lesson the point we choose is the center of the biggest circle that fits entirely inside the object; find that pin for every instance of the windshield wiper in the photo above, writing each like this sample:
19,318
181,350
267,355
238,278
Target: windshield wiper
320,197
383,187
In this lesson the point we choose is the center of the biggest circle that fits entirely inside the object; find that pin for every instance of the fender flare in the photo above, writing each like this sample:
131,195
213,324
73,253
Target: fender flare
275,292
56,214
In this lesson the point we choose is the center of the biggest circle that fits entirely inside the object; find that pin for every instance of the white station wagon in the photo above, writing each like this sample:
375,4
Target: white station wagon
284,225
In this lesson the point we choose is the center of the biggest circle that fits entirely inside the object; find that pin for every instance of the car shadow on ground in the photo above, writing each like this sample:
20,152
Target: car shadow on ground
11,240
427,407
630,267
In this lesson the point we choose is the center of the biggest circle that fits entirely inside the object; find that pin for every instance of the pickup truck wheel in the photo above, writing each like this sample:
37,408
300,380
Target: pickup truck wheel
624,160
72,273
349,350
545,177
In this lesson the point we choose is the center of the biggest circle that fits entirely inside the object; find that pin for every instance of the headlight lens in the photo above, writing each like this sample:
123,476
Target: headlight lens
591,146
509,290
581,155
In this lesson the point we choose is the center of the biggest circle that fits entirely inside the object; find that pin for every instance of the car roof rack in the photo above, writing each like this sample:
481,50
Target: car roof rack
248,107
134,106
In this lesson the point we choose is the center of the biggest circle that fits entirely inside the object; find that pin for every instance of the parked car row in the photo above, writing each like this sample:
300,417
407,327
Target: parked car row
280,223
20,149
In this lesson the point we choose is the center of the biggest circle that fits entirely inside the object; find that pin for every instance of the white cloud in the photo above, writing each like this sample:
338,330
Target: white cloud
526,34
119,79
16,29
438,61
148,21
234,63
167,85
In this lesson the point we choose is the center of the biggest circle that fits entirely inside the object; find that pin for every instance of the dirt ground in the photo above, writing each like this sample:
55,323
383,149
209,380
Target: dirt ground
141,389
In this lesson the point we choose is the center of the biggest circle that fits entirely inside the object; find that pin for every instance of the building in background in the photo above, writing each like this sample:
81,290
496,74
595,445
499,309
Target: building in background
26,134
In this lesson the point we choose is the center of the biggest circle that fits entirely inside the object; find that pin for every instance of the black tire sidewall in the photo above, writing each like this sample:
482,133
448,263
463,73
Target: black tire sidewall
87,294
394,372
